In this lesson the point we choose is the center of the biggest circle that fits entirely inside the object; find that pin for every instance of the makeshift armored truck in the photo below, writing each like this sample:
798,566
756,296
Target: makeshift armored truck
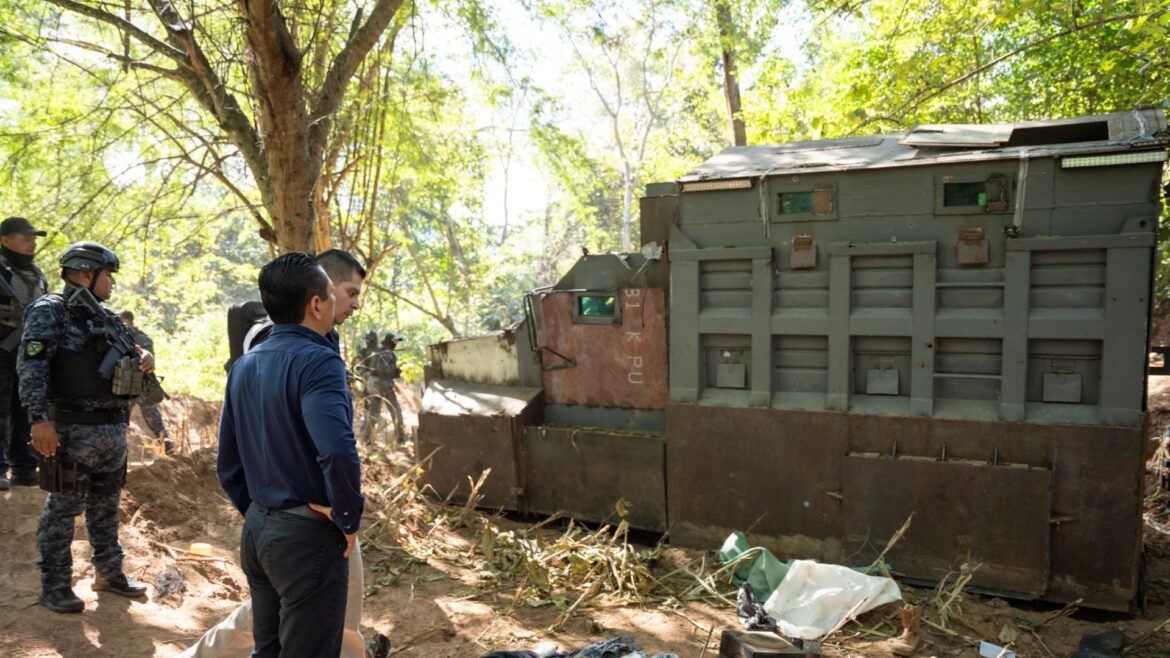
821,339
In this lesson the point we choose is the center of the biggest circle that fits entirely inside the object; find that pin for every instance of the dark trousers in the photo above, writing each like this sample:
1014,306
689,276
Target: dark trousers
15,444
298,577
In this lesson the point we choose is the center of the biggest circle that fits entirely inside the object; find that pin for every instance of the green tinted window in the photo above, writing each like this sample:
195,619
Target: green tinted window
965,194
596,306
817,202
796,203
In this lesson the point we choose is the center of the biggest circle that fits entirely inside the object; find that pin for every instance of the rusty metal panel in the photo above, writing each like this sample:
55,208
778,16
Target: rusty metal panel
615,365
490,359
740,469
1097,489
963,513
583,473
465,429
466,446
978,440
775,474
972,247
451,397
1096,544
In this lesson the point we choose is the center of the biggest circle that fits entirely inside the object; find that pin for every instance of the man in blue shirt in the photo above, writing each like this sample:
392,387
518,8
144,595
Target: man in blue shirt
286,450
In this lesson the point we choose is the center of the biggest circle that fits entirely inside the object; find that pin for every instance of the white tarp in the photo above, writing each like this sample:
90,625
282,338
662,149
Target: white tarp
813,598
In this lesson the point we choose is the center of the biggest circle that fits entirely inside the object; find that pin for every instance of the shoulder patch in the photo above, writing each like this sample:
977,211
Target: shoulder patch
34,349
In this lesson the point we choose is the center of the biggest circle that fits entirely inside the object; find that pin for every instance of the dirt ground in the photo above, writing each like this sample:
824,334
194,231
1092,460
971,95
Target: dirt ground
427,586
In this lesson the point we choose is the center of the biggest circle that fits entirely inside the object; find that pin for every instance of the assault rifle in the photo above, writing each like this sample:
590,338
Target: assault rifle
121,344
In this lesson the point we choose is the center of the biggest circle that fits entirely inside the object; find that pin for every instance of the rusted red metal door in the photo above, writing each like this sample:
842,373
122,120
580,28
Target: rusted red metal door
612,347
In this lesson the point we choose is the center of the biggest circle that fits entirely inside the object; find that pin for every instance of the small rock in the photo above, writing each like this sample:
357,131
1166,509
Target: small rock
169,582
1109,643
378,646
1008,634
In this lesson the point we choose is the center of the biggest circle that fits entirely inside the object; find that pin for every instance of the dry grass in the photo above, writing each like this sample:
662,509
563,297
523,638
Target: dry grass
571,569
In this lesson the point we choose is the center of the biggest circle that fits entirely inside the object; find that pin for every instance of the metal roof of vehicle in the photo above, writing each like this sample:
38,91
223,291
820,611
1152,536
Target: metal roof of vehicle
933,144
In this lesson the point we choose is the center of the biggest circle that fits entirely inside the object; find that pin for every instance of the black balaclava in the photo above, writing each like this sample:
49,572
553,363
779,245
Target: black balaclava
19,261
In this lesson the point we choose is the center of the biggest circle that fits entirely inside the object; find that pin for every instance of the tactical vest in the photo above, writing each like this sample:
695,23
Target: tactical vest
29,285
73,376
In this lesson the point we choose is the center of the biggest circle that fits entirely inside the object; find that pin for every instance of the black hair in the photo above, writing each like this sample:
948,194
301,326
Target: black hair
340,265
288,283
127,315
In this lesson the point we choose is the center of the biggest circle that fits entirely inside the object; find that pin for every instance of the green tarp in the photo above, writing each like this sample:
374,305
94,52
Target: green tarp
763,573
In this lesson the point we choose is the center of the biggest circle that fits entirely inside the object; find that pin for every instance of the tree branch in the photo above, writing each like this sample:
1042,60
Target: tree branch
266,230
446,321
209,90
125,26
342,70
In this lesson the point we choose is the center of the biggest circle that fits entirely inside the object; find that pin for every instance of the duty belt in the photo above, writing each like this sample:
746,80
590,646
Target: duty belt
89,416
300,510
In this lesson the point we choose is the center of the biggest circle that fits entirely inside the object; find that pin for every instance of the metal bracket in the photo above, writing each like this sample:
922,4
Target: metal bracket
568,362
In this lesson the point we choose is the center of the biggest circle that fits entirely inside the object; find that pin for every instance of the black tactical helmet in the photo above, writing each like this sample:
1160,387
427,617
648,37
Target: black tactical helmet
392,338
89,256
372,336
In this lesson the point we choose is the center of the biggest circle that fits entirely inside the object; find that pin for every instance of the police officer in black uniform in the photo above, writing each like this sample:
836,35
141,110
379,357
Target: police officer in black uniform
78,427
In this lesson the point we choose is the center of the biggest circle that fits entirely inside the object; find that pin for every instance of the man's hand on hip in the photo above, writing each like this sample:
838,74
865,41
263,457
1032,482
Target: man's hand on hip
350,539
44,438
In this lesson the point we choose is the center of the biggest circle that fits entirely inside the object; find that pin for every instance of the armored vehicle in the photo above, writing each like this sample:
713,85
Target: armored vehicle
821,339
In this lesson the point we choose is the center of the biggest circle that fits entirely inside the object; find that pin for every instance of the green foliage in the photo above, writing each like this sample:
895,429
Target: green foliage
191,359
889,64
93,149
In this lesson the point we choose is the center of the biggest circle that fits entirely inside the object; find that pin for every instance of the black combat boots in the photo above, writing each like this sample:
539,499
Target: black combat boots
61,600
119,584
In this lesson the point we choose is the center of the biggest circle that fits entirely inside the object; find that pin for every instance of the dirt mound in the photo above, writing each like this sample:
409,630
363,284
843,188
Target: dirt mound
177,500
190,421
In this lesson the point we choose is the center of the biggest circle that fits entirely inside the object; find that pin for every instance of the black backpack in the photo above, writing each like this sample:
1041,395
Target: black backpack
242,319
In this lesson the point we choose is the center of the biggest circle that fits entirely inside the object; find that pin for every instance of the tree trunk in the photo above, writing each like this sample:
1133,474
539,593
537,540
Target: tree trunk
282,119
284,150
730,73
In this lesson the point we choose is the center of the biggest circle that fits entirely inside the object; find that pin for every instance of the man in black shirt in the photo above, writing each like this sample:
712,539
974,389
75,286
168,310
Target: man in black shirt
18,245
289,463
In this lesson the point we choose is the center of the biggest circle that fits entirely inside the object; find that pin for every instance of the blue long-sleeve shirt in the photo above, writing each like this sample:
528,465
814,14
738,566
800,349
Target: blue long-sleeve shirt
286,430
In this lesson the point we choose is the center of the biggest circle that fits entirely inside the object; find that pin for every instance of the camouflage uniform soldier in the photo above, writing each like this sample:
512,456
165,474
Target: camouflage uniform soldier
76,421
382,365
366,354
18,245
150,412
